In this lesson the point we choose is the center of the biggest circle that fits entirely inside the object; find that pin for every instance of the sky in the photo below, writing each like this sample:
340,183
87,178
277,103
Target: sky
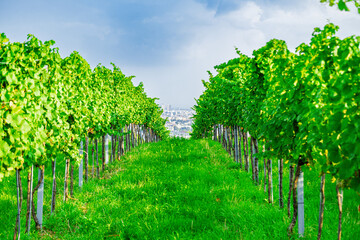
169,45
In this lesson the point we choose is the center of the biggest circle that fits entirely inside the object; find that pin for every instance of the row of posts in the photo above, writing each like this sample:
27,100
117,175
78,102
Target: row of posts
230,138
138,134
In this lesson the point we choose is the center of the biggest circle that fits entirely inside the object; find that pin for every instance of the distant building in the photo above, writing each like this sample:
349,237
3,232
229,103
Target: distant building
166,107
178,121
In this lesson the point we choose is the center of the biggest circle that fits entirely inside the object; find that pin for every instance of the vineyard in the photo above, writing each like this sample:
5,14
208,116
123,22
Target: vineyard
299,110
176,189
85,154
55,110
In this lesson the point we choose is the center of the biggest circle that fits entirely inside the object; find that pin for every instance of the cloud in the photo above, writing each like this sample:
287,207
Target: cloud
209,38
169,44
246,16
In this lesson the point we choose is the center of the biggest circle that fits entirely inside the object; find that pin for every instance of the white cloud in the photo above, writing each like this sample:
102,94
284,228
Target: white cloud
248,15
187,37
211,39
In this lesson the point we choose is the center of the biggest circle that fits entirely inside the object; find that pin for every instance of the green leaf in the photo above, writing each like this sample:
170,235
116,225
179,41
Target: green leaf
25,127
342,6
11,78
4,149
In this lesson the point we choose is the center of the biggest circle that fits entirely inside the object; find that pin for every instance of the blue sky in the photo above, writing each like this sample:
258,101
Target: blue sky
168,44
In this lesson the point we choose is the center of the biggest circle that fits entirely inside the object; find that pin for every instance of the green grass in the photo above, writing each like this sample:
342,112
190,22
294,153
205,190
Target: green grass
178,189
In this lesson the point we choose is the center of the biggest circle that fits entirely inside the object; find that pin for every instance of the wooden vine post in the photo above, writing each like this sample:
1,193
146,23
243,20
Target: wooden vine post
66,179
322,205
340,196
270,181
53,195
106,149
103,154
281,195
236,144
264,170
239,146
72,168
252,157
300,198
93,158
19,204
295,201
29,198
40,197
86,157
246,150
291,182
97,159
81,166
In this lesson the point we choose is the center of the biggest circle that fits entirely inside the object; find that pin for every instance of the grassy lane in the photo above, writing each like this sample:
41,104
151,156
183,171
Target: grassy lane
185,189
170,190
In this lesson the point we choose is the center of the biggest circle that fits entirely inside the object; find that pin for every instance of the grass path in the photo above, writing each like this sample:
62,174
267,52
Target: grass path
184,189
170,190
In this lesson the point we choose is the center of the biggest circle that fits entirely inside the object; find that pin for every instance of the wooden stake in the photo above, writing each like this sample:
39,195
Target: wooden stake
281,198
53,194
86,158
300,199
239,146
29,199
106,149
103,153
93,157
291,173
236,144
97,159
340,196
19,203
81,166
295,201
264,170
252,152
256,161
270,190
246,150
34,215
66,179
322,204
40,198
72,180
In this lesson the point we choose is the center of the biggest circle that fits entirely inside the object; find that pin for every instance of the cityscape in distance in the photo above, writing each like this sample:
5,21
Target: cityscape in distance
178,120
